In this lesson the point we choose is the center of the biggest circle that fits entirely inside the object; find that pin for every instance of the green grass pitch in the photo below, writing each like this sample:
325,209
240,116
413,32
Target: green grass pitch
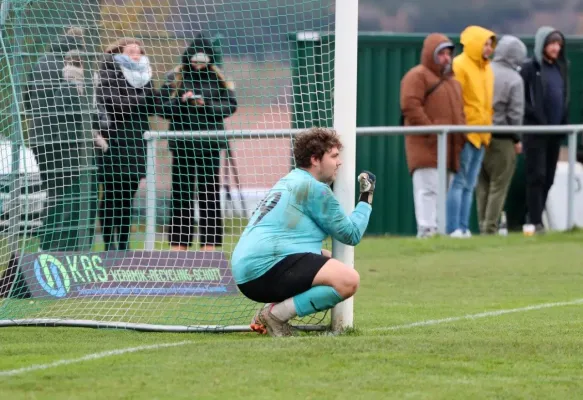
498,318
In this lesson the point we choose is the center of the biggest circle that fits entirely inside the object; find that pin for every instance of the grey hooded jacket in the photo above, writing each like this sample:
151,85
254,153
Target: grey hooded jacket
508,100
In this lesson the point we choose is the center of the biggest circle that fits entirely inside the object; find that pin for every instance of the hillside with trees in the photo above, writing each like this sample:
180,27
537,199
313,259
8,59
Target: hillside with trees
261,27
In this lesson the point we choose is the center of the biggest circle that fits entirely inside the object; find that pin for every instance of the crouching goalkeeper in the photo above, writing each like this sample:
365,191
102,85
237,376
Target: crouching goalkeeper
279,258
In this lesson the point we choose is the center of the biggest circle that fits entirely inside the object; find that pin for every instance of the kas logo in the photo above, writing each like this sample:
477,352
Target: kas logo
52,275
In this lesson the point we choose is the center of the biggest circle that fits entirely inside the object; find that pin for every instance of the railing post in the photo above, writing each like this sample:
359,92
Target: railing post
572,150
441,181
150,194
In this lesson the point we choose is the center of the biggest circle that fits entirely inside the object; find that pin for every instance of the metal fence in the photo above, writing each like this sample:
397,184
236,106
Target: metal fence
441,130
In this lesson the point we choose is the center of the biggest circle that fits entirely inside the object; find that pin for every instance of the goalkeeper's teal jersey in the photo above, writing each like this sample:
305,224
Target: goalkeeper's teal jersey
297,214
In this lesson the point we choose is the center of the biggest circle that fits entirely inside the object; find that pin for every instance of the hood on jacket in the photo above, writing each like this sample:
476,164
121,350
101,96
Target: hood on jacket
539,42
200,44
432,45
473,38
510,50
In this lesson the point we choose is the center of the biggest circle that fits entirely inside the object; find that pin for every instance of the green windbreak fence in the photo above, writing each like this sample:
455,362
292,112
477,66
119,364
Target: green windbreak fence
383,59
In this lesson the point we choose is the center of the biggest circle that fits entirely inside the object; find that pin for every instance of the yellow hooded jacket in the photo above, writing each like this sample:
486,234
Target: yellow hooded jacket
477,79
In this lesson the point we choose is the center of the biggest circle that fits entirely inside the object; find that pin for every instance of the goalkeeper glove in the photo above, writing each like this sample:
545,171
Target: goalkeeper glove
366,182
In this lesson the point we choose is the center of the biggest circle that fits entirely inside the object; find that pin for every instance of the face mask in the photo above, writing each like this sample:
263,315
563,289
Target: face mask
200,58
137,73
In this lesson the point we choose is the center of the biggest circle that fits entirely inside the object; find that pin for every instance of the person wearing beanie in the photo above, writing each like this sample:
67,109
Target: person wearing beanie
546,88
429,96
197,97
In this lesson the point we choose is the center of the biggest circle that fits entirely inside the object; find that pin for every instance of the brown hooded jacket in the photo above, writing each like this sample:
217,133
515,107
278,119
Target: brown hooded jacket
443,106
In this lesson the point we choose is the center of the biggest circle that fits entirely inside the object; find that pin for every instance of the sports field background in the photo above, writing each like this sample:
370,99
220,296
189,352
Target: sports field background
519,336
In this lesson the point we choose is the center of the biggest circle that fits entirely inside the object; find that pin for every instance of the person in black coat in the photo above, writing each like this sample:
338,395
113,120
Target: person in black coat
56,131
125,97
197,97
546,90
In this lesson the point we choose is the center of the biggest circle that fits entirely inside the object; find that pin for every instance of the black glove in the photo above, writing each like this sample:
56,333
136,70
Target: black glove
366,182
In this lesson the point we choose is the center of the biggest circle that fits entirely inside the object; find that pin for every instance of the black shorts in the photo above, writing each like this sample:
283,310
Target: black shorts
289,277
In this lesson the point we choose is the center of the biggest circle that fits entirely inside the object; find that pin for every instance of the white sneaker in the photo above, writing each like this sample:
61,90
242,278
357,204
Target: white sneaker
467,234
458,234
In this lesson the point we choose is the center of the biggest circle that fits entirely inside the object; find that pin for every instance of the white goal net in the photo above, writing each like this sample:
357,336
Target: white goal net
137,136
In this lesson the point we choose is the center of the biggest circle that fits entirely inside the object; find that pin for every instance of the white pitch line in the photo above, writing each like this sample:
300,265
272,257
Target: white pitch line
110,353
89,357
479,315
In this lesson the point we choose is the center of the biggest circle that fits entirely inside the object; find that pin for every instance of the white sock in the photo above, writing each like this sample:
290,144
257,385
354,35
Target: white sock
285,310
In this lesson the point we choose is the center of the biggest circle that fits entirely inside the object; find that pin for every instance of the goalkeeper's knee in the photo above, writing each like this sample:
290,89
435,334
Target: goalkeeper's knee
345,280
347,283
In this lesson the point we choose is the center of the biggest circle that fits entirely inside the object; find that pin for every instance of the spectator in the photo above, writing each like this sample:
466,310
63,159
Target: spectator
197,97
56,132
431,96
73,70
126,96
472,69
500,157
546,90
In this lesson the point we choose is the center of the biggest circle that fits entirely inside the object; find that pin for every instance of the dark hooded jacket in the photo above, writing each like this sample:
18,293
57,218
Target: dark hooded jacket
128,109
53,103
219,98
535,81
59,131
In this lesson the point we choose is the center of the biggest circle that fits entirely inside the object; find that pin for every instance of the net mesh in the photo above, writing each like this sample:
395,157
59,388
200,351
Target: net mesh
88,231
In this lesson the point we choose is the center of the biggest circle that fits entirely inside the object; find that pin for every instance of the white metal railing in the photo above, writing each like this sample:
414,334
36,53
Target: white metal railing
441,130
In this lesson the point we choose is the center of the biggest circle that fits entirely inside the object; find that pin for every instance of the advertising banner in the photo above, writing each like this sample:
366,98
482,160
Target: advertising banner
127,273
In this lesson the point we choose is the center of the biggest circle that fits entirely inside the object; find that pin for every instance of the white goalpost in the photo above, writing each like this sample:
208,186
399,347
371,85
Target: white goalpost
117,210
345,68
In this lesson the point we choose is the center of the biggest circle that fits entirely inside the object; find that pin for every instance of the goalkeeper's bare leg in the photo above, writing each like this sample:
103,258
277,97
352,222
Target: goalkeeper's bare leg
333,283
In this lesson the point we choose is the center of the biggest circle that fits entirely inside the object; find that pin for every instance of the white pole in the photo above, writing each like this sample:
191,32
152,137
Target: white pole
150,195
572,151
442,182
345,68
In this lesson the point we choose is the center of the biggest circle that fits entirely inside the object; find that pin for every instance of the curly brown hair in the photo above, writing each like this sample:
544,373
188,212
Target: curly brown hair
314,142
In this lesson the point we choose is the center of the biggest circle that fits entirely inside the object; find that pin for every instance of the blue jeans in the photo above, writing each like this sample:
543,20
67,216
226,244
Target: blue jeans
460,194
